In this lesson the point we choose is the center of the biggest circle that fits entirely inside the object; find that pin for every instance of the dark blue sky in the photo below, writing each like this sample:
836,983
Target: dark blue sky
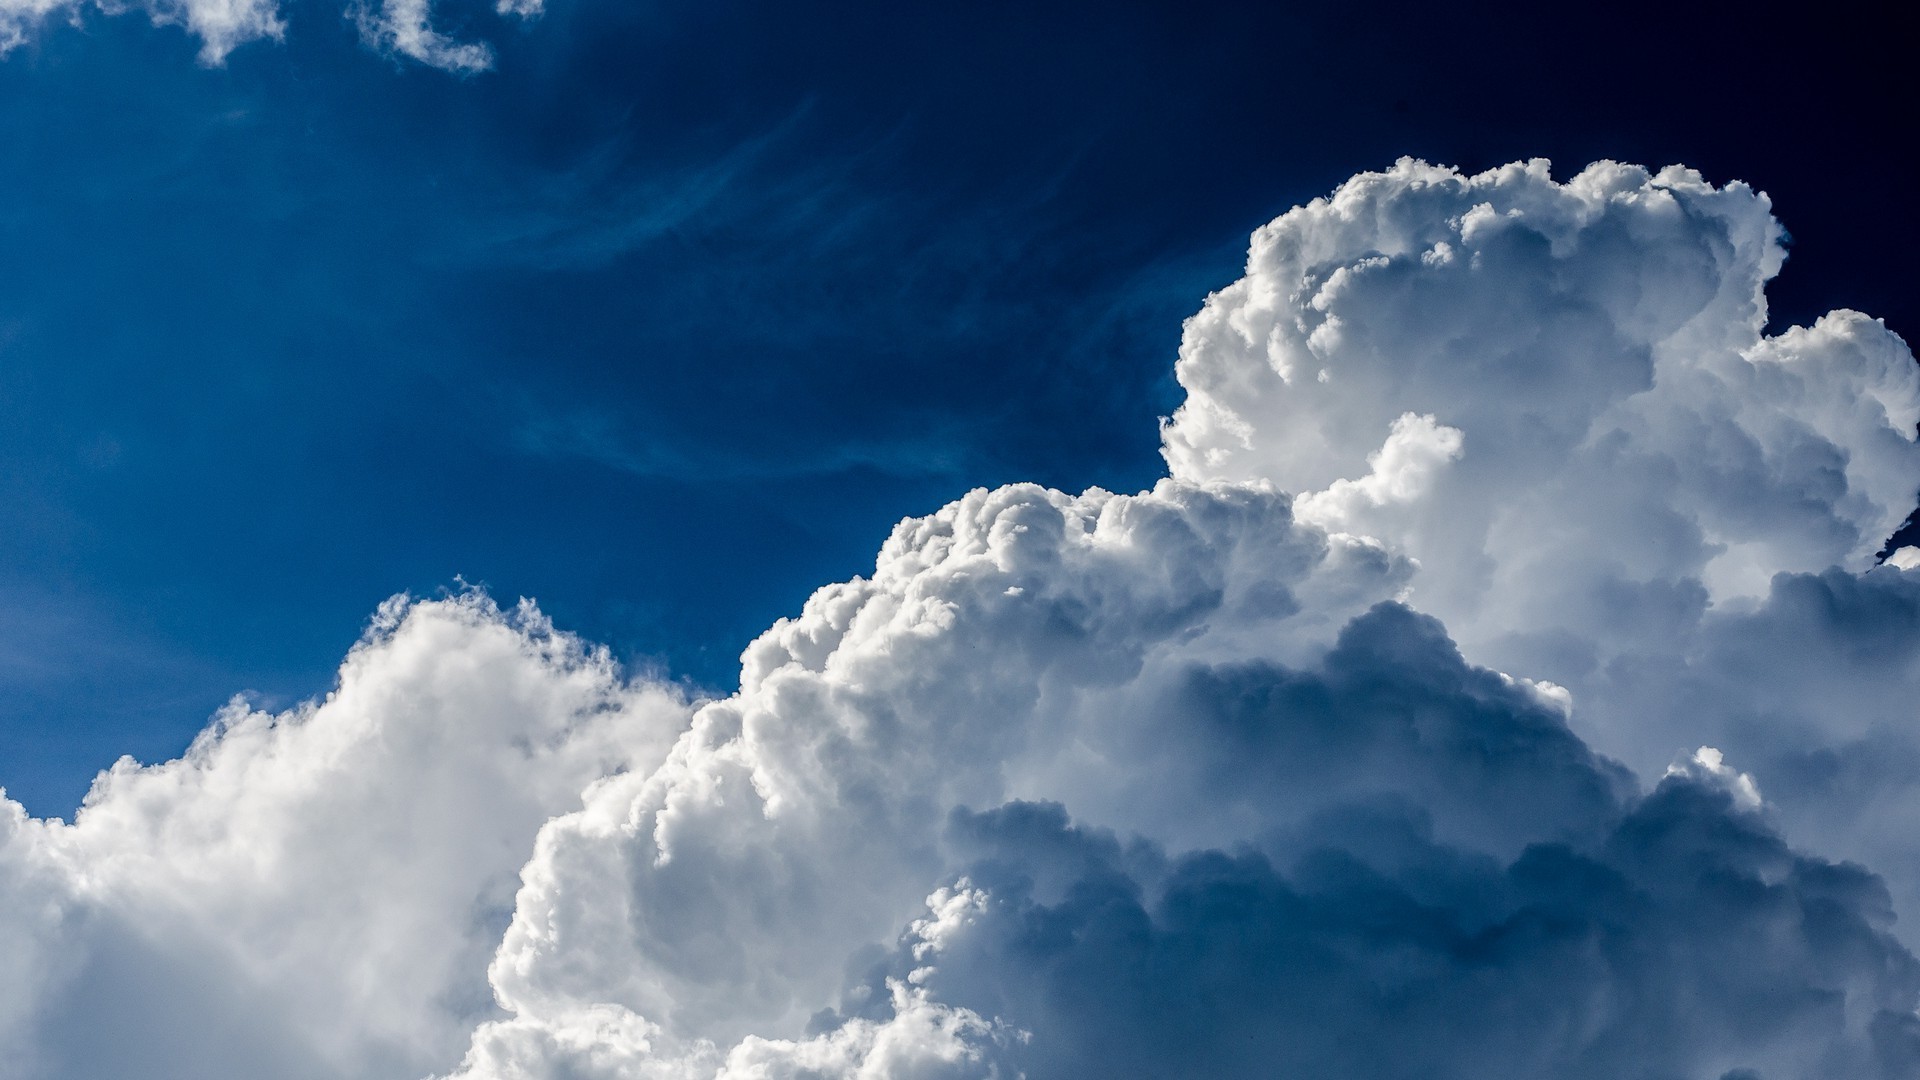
667,319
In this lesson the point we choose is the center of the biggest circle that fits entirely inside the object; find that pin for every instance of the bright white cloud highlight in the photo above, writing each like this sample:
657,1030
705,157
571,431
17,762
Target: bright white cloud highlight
314,893
1596,346
1307,761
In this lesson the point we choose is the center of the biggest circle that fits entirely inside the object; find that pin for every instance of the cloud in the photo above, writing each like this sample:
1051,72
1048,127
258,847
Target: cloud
314,893
1630,957
1633,463
1597,348
399,26
1443,834
1499,686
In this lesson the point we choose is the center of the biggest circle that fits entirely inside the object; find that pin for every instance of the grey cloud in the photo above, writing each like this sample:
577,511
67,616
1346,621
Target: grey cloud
314,893
1626,434
1688,942
1593,932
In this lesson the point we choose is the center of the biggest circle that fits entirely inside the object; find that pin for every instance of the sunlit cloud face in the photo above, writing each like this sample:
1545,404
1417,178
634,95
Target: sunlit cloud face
1501,684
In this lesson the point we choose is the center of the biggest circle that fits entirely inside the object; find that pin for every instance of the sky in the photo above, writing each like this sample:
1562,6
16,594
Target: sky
322,324
1488,553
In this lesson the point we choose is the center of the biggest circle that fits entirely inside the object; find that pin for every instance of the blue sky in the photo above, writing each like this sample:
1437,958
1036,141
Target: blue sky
667,318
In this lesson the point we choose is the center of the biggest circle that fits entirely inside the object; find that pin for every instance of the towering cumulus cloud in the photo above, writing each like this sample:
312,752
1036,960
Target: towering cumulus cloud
1501,685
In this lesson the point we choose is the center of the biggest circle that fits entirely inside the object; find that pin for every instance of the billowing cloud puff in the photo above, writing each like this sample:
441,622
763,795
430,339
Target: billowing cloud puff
314,893
1268,859
399,26
1498,687
1557,396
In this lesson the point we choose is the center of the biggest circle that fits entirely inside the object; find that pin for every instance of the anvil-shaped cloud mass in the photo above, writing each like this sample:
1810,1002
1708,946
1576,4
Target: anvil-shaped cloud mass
1501,684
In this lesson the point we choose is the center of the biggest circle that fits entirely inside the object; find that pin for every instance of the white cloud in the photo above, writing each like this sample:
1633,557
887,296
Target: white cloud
17,17
1628,449
1401,473
1187,781
1598,347
405,27
314,893
1637,461
1708,765
399,26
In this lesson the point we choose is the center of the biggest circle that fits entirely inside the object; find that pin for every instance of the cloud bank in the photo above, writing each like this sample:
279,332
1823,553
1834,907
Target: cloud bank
1501,684
401,27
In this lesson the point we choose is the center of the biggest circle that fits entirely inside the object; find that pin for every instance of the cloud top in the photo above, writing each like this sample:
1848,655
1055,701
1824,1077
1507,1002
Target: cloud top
1596,349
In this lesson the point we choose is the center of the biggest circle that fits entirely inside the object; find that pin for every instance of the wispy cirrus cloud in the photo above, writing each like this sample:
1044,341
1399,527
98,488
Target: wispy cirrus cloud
401,27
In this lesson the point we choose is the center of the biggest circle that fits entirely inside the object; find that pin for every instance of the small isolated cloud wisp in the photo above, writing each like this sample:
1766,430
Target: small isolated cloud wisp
401,27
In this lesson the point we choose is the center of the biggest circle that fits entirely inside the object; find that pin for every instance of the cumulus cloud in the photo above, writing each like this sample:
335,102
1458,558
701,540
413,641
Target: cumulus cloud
314,893
1291,853
403,27
1619,420
1647,499
1500,685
